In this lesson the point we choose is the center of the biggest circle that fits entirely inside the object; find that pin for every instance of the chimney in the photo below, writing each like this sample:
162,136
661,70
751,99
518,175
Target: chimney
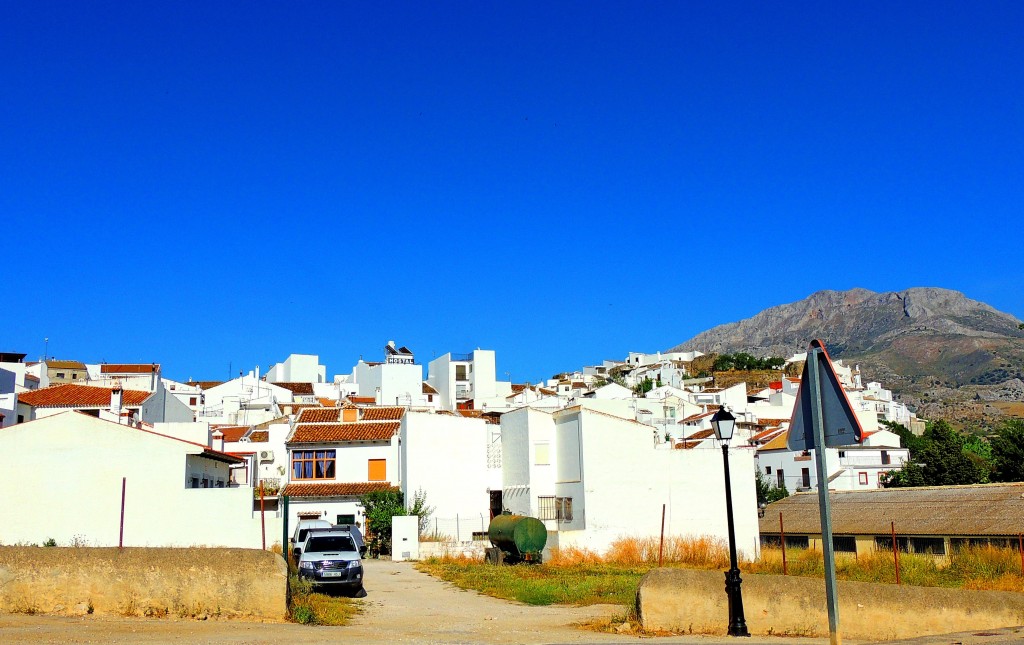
116,397
217,440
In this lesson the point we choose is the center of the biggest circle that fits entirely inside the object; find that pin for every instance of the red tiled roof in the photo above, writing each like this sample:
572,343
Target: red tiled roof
703,434
362,399
297,388
382,414
519,387
205,385
319,415
65,365
766,434
128,368
330,432
695,417
327,403
259,436
31,377
428,388
353,489
231,433
79,396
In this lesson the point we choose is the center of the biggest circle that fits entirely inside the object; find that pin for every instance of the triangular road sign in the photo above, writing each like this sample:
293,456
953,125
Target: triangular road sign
841,425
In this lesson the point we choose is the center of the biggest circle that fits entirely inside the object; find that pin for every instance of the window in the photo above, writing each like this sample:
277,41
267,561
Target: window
767,470
842,453
60,374
192,400
74,376
886,459
195,482
346,519
844,543
805,477
460,373
542,454
781,478
863,477
313,464
933,546
377,470
554,508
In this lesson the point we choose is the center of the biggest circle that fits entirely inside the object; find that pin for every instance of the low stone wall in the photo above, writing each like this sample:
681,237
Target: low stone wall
471,550
195,582
684,600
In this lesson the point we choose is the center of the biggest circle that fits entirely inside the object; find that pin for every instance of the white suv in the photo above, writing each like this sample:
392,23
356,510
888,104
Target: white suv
330,558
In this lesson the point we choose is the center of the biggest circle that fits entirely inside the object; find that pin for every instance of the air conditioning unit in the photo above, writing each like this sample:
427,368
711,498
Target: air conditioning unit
266,455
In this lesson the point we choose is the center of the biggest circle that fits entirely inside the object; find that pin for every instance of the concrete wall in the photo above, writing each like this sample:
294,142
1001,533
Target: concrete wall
684,600
230,583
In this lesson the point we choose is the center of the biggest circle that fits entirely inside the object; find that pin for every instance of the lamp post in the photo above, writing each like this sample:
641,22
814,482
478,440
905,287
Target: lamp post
724,424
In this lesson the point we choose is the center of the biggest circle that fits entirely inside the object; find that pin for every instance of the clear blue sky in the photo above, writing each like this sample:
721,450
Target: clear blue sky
213,183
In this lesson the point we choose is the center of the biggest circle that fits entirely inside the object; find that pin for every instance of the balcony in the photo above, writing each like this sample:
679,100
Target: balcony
271,487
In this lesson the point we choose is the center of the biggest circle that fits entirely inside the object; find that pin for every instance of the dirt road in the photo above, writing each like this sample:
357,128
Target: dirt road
402,606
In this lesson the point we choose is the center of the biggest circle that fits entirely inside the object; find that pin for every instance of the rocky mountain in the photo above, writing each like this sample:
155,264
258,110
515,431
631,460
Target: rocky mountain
944,354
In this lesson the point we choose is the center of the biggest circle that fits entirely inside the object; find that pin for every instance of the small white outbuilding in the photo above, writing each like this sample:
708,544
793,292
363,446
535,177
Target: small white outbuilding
68,471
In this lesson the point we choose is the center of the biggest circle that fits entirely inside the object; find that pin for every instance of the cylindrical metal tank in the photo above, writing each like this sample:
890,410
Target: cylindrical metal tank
521,537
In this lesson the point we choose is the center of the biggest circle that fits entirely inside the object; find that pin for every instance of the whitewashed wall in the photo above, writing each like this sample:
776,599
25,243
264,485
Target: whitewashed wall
446,457
73,464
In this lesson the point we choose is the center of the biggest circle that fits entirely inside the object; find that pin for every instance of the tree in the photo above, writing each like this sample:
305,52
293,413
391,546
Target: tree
420,509
942,458
644,386
384,505
381,506
1008,452
767,492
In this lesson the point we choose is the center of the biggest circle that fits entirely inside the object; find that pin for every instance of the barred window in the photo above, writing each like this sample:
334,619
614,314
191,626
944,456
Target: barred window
554,508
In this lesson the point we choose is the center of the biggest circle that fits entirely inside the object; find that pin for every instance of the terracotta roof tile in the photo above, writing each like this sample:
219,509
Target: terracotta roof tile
703,434
65,365
330,432
362,399
79,396
259,436
780,442
231,433
327,403
428,388
297,388
205,385
129,368
319,415
353,489
382,414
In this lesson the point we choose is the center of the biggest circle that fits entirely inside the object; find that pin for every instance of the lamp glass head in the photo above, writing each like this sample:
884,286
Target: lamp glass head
724,424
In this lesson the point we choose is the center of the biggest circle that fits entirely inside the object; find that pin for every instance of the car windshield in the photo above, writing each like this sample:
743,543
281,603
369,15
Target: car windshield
322,543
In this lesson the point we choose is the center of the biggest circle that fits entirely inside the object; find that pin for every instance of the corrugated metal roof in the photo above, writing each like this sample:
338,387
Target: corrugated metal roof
981,509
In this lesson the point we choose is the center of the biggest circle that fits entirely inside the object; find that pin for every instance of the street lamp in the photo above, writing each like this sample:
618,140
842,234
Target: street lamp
724,424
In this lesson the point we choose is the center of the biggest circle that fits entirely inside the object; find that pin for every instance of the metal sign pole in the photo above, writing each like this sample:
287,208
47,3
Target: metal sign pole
817,422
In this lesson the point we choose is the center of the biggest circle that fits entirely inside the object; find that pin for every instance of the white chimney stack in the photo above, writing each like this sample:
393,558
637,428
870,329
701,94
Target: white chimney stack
218,441
116,397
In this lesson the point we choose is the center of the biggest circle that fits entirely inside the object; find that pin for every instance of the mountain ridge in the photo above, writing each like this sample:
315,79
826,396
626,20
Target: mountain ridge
940,351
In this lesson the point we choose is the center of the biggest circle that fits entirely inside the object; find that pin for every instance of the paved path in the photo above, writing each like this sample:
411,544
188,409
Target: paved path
403,605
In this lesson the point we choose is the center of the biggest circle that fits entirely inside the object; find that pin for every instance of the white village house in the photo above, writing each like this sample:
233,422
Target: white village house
71,467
